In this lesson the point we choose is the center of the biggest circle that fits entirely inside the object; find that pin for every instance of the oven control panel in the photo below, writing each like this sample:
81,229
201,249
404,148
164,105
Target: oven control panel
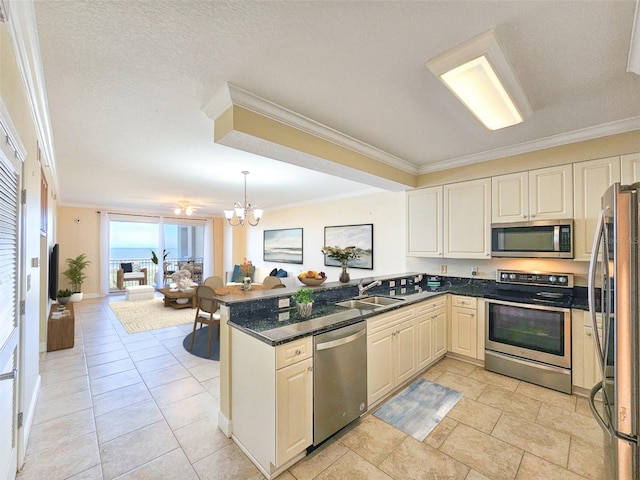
535,278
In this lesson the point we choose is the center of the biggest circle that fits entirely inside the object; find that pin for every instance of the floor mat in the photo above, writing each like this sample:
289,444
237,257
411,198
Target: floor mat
419,408
200,344
142,315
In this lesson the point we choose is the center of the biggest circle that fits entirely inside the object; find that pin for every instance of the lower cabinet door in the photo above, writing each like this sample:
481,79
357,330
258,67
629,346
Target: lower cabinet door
424,336
380,372
294,399
464,331
405,351
439,333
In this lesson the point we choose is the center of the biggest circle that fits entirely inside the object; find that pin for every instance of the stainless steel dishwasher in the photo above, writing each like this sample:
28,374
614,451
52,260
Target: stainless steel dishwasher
339,379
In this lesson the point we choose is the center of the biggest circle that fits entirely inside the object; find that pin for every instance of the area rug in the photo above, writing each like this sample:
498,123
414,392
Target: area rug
419,408
200,345
141,315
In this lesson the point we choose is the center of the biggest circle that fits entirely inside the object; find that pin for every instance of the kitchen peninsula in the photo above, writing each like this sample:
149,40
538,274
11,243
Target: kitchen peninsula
266,356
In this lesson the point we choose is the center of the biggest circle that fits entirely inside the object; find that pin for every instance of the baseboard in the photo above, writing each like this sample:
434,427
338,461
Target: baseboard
28,417
43,347
224,424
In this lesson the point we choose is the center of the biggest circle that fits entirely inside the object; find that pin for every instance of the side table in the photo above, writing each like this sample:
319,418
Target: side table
60,331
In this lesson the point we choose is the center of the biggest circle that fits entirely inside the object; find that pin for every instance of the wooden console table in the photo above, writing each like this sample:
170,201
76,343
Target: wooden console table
60,331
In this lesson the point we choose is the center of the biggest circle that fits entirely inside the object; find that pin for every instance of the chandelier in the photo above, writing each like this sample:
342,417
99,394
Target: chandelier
243,212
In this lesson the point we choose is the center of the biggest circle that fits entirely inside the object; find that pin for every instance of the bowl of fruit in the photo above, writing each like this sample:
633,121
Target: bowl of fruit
312,278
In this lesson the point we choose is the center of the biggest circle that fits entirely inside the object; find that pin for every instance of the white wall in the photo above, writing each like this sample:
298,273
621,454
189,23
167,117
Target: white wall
386,211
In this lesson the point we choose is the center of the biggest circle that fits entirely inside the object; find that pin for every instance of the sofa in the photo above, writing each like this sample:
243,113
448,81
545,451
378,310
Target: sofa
259,274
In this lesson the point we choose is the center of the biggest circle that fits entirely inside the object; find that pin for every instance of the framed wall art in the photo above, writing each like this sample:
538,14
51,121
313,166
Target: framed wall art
360,236
283,246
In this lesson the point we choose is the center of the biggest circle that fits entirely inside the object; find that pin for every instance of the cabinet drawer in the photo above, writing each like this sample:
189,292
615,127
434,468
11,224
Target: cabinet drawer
385,320
293,352
465,302
431,305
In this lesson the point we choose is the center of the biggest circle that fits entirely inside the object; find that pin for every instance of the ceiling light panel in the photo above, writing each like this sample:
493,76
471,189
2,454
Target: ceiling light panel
478,74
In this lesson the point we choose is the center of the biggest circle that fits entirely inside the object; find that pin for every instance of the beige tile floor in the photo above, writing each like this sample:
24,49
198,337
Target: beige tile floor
138,406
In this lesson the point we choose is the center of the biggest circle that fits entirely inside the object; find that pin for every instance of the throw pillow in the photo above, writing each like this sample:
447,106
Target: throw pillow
135,267
273,273
126,267
282,273
236,274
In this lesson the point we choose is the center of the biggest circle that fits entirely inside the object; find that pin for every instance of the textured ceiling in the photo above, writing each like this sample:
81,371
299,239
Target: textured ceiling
127,82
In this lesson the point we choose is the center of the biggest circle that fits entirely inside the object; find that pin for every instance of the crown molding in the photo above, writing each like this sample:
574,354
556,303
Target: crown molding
13,139
231,94
589,133
23,31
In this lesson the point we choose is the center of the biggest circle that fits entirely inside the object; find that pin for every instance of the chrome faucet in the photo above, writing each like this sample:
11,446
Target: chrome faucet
362,289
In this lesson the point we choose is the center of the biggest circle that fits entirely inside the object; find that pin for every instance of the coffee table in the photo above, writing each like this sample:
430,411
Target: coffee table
170,297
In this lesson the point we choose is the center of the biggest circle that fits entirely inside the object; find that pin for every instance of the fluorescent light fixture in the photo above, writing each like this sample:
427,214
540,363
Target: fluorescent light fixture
478,73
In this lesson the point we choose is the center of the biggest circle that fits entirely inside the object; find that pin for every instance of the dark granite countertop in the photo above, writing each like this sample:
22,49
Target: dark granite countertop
256,313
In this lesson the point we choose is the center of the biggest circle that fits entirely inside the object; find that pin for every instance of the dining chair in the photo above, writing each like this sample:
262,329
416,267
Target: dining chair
272,282
213,282
207,313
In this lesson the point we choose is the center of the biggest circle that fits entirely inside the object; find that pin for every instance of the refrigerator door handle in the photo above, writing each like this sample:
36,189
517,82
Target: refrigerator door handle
593,263
592,405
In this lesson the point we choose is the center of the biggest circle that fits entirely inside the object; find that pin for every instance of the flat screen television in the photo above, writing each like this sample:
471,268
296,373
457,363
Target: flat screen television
53,272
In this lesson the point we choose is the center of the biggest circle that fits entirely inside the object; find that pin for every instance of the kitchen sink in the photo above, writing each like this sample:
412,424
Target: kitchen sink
369,303
358,304
382,301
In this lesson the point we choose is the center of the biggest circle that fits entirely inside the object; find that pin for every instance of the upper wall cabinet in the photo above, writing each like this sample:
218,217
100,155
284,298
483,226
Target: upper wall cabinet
630,166
467,219
591,180
543,194
424,221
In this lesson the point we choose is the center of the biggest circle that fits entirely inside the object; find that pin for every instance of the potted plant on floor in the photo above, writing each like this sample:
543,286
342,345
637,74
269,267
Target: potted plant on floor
155,260
304,301
75,274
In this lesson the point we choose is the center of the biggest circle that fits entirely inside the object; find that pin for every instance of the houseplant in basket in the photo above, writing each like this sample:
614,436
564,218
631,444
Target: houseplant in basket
304,301
343,255
75,274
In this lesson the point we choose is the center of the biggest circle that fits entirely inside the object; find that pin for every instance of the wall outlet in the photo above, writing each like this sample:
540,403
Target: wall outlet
392,283
403,281
443,269
283,316
403,291
474,271
283,303
392,293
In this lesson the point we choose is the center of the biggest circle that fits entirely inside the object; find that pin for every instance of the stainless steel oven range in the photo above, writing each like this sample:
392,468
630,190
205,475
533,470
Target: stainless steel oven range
528,328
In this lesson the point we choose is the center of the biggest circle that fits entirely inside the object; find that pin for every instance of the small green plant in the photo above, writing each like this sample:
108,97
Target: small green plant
75,271
303,295
64,293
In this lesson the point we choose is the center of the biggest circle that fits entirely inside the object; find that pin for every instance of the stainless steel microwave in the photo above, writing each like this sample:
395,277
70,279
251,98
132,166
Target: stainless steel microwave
539,239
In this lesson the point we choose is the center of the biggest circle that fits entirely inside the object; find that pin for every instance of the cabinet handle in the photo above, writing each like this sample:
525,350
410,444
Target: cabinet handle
310,369
487,254
533,215
524,216
588,334
298,352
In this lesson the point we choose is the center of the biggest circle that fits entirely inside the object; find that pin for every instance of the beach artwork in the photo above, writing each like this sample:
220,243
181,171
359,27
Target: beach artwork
359,236
284,246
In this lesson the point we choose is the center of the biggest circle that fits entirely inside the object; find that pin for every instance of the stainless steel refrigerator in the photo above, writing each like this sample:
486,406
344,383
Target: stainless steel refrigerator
613,289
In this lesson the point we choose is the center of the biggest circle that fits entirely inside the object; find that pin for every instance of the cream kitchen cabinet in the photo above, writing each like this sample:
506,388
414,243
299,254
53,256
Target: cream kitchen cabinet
463,321
467,219
542,194
424,222
585,369
391,357
630,168
431,331
272,400
591,180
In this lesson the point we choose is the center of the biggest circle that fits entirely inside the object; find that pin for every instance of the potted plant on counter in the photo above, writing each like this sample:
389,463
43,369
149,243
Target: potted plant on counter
75,274
304,301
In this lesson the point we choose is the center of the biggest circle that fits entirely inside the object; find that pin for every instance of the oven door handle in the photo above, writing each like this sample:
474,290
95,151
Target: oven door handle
593,264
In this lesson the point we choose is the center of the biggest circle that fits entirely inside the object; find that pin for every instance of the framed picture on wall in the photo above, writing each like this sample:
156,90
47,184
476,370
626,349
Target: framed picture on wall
359,236
283,246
